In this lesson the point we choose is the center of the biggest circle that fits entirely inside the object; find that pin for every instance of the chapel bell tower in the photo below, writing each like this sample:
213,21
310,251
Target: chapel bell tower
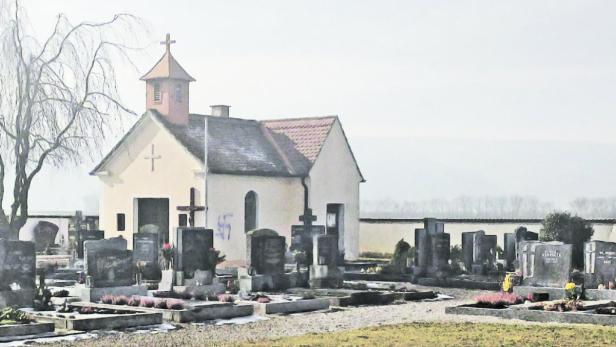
166,87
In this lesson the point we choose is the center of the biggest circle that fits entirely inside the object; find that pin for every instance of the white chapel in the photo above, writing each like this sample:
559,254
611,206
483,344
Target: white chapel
177,168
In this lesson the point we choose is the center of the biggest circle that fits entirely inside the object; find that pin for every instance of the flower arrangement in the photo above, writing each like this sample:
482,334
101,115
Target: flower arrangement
161,304
107,299
120,300
572,291
86,310
134,301
175,304
168,250
145,302
498,300
507,285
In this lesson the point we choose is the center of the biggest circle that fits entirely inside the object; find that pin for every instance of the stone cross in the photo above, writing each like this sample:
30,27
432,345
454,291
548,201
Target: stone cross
152,157
191,208
168,42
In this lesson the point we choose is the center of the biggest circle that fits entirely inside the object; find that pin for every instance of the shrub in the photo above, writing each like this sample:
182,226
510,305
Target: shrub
574,230
499,299
134,301
107,299
175,304
120,300
145,302
161,304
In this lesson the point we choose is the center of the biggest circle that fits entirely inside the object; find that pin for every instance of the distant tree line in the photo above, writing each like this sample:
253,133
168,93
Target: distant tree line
487,207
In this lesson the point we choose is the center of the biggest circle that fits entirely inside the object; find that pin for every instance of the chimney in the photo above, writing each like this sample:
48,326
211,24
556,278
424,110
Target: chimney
220,110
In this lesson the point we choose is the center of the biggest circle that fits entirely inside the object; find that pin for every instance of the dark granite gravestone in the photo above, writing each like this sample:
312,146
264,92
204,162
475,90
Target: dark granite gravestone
193,245
302,241
545,264
327,250
92,246
522,234
510,251
426,243
265,252
44,235
17,264
440,252
479,251
87,235
145,253
110,268
599,263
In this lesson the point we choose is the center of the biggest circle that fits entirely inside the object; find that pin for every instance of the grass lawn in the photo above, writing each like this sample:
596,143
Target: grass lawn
456,334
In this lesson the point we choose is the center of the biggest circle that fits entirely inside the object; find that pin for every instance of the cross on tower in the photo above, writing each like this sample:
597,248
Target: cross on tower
152,157
168,42
191,208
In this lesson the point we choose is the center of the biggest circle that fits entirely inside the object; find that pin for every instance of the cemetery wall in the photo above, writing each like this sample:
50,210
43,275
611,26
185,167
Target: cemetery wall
334,178
130,176
381,235
226,209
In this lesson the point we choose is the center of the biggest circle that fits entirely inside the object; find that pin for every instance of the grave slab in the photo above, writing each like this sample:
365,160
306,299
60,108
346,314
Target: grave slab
287,307
13,330
94,294
95,321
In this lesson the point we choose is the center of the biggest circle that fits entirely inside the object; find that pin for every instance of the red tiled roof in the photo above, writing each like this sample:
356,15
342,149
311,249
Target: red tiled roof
307,134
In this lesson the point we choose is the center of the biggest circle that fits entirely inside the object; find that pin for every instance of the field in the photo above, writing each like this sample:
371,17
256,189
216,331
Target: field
456,334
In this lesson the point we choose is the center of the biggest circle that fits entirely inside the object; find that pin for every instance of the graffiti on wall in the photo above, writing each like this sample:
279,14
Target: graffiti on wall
223,229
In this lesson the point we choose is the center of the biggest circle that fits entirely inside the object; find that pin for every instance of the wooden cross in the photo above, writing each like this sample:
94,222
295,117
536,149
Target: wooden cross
168,42
152,157
191,208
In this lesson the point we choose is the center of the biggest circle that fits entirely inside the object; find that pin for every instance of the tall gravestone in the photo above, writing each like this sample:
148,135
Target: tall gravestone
599,263
265,252
17,273
90,247
324,272
510,251
479,251
545,264
192,254
145,255
87,235
521,233
431,258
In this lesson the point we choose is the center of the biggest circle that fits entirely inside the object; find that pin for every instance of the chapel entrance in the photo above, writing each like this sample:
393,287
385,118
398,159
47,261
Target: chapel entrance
335,223
153,217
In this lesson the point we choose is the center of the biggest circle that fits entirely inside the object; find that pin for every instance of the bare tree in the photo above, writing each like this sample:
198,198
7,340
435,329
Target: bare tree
58,97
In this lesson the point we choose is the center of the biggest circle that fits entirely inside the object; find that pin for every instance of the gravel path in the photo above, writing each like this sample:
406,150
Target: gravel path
299,324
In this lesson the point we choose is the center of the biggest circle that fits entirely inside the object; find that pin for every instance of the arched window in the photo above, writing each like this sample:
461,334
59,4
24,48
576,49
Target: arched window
250,211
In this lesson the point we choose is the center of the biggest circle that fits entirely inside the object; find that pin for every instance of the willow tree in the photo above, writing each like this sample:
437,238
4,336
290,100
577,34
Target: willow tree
58,98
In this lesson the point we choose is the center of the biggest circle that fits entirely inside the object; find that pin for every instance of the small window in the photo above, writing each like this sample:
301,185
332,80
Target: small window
183,220
178,93
156,91
121,221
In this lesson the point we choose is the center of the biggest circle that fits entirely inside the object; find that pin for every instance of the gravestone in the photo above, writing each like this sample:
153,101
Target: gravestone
17,273
265,252
145,252
479,251
428,240
545,264
193,245
92,246
110,268
302,240
44,235
324,272
510,251
87,235
599,263
522,234
440,252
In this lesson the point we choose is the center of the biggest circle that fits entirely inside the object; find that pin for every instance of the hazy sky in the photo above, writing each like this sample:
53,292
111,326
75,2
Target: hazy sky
438,98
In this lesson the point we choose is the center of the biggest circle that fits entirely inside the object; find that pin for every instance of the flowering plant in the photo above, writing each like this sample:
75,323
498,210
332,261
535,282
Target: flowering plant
572,291
168,251
498,300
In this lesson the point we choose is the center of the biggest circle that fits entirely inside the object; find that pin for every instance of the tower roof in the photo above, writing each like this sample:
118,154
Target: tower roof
167,67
